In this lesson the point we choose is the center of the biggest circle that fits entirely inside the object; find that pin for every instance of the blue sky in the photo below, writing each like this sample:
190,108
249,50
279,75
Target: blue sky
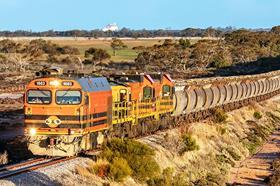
39,15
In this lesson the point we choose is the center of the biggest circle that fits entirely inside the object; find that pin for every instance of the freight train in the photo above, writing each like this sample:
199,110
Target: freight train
69,113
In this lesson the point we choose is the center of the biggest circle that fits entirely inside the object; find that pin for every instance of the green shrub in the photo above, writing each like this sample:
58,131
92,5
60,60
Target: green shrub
189,144
119,169
165,179
252,142
138,156
256,134
221,130
211,179
257,115
219,61
220,116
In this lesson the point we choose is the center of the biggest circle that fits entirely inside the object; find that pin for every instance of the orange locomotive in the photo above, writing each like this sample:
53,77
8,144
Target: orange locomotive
68,114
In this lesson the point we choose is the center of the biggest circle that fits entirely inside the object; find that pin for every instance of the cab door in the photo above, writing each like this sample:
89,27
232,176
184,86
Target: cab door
123,103
86,115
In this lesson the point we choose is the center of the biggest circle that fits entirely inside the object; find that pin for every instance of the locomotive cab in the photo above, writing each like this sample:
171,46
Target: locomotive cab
61,114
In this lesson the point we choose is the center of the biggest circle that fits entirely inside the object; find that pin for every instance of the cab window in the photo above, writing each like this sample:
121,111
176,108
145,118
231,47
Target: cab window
147,93
68,97
39,97
166,90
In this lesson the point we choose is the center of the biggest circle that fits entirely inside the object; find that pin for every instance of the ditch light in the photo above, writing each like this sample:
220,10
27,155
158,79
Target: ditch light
32,132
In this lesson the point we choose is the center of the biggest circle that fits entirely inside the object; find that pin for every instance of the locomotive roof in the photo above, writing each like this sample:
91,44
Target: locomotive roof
88,83
126,78
94,84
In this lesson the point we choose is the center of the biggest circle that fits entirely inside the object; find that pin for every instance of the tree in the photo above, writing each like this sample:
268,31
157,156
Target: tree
276,30
97,55
9,46
117,44
184,43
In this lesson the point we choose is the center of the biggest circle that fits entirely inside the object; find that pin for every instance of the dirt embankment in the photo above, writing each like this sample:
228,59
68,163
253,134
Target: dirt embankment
221,145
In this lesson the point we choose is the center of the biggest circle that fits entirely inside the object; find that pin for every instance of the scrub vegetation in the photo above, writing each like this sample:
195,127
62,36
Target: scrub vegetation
121,158
220,116
257,115
254,51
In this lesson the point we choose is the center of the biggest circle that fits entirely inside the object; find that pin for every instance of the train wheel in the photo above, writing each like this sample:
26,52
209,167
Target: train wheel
133,131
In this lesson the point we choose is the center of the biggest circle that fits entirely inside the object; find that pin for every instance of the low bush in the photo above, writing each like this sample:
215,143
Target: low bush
256,136
222,130
101,169
219,62
252,143
165,179
220,116
257,115
211,179
139,157
119,169
168,178
189,143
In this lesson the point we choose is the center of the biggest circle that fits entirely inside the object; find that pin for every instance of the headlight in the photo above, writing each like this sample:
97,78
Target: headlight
32,131
48,121
54,83
57,121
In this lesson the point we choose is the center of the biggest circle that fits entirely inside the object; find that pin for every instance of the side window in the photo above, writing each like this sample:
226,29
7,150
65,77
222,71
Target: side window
147,93
123,95
166,90
86,100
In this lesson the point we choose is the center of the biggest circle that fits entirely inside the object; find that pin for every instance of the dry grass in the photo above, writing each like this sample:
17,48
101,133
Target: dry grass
123,55
93,168
275,178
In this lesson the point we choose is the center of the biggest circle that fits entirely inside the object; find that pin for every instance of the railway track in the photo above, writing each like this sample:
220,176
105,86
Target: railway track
29,166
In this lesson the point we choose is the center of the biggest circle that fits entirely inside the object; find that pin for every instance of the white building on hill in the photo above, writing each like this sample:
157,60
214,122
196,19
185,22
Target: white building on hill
110,27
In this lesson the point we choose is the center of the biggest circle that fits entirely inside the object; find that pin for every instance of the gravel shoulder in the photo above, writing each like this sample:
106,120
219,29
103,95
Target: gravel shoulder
58,174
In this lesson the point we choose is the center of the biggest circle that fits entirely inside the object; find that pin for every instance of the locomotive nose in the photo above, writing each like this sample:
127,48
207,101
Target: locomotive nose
53,121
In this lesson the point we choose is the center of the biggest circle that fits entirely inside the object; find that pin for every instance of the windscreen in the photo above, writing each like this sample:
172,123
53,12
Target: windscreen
68,97
39,97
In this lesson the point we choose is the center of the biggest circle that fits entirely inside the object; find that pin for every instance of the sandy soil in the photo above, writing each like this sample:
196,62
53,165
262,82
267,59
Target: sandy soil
255,169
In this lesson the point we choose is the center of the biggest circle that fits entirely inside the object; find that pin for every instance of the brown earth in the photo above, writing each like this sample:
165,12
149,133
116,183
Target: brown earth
256,169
